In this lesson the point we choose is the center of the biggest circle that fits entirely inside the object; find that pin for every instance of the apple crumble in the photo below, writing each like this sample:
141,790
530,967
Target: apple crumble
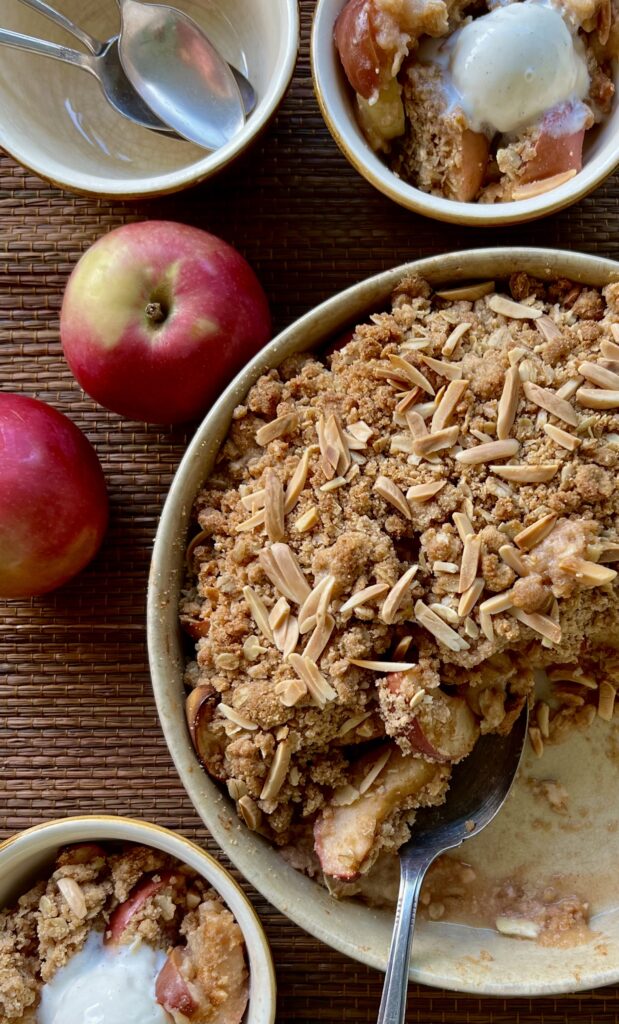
128,929
391,541
486,102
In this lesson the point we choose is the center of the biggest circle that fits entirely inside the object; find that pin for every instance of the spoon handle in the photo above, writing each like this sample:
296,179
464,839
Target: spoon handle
94,45
46,49
413,867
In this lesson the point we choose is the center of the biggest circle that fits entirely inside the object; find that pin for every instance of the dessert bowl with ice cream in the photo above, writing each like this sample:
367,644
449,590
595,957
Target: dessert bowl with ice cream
109,920
451,107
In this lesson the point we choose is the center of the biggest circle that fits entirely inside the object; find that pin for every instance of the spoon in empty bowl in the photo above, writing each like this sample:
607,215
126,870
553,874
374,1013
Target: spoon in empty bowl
478,789
173,65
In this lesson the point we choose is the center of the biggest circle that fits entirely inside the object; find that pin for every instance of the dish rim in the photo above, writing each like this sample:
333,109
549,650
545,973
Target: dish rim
301,902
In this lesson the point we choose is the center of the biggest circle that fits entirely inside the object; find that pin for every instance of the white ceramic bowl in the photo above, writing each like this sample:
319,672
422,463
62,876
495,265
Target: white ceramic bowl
452,956
336,99
26,857
55,120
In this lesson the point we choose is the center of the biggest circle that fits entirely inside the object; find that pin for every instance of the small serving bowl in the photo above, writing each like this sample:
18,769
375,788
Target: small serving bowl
26,857
56,121
337,103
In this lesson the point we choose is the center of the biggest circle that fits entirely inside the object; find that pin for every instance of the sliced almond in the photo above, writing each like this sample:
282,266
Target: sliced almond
290,692
279,613
395,596
436,442
470,561
445,612
549,330
254,500
236,718
258,611
604,378
320,638
281,566
439,629
453,371
456,335
278,771
488,452
409,399
487,627
277,428
374,665
463,524
317,686
467,291
363,596
296,483
561,437
610,349
352,723
258,519
402,443
402,647
329,452
588,574
360,431
508,403
416,423
333,485
535,533
471,628
403,370
527,474
250,812
606,701
542,185
541,624
307,520
609,552
448,404
592,398
423,492
512,558
449,567
74,896
514,310
374,772
569,389
470,597
274,506
392,494
550,401
316,603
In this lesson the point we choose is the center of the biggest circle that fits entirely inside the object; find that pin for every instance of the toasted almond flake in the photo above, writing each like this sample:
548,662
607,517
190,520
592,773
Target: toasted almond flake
258,519
423,492
508,403
290,692
282,568
609,349
374,772
548,329
279,613
516,354
512,558
353,722
471,628
496,604
439,629
542,185
609,552
449,567
254,500
395,596
258,611
588,574
569,696
569,389
488,452
467,291
569,675
409,399
604,378
392,494
316,602
535,738
479,434
402,647
540,623
226,661
237,719
514,310
435,442
236,789
448,404
594,398
333,485
307,520
426,409
610,364
319,638
278,771
469,563
360,431
470,597
446,613
296,483
329,454
250,812
363,596
252,648
526,473
542,715
463,524
317,686
344,795
606,701
353,444
276,428
535,533
352,473
416,423
403,370
339,438
487,628
290,636
453,371
550,401
382,666
403,443
73,895
561,437
274,506
456,335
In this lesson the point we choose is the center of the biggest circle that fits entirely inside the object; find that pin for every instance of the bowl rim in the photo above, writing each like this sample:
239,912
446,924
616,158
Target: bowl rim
262,972
450,211
299,901
197,172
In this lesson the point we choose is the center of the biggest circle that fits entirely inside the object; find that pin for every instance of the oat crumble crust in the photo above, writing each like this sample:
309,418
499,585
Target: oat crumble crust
46,928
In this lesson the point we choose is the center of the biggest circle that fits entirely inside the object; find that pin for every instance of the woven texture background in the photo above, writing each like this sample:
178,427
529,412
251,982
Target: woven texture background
78,728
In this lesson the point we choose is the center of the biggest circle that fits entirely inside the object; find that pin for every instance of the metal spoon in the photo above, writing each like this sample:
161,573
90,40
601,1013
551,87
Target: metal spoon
97,48
478,789
173,65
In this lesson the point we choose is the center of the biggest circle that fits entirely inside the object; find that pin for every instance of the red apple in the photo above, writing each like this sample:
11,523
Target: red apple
53,500
171,990
121,917
446,730
157,317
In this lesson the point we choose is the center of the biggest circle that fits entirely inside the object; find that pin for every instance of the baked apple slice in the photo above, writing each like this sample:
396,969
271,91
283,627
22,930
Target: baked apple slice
172,990
444,729
120,918
370,45
558,147
344,836
467,170
208,742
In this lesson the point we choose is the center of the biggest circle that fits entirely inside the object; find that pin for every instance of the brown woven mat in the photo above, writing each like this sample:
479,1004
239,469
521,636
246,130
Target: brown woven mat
78,728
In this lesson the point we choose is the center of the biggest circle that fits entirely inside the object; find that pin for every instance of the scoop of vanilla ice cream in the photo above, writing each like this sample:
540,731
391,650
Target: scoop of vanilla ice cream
512,65
104,985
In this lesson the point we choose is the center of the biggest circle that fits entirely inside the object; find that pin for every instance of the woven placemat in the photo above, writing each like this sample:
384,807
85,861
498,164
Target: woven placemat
78,727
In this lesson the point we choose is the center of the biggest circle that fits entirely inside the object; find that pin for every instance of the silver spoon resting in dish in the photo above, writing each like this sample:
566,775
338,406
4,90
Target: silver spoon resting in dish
478,789
173,65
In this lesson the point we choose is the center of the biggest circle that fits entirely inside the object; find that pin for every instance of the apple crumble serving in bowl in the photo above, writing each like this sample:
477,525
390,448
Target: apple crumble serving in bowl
482,102
391,540
120,932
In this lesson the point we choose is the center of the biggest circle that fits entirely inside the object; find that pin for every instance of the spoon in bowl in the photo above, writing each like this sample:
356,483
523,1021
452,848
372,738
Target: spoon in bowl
173,65
478,789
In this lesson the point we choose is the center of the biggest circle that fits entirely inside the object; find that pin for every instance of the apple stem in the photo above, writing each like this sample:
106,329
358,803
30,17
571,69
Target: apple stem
155,312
